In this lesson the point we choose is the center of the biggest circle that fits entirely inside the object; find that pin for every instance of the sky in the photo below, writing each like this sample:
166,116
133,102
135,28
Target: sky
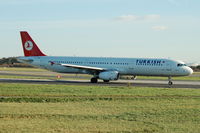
103,28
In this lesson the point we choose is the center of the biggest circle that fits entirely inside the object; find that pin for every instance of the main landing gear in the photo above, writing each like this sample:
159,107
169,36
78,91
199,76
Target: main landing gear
170,83
105,81
94,80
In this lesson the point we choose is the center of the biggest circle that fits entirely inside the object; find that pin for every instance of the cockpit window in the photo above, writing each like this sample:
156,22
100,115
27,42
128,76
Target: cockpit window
180,65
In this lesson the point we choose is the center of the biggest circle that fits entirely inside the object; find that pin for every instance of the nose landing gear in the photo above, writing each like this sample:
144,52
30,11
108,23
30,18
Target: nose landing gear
134,77
170,83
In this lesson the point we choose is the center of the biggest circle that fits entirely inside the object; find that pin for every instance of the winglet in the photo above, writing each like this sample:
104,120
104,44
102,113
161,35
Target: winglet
29,46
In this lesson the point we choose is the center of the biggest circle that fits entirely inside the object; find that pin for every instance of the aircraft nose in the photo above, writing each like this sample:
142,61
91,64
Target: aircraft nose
189,71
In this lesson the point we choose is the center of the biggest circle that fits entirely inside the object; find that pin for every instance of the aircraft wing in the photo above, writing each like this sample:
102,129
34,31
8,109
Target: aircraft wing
83,67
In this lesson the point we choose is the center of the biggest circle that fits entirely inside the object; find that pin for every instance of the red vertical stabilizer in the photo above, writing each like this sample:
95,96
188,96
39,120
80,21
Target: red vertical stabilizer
29,46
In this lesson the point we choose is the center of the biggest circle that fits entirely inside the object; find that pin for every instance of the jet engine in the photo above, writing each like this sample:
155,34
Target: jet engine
109,75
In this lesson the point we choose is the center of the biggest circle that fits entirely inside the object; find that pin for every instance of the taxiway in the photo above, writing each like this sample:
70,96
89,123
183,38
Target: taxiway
138,83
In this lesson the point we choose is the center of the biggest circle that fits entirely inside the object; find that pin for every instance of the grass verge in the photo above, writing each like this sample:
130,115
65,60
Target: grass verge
73,108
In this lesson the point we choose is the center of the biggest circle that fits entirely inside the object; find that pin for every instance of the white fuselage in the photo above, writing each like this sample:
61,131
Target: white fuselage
125,66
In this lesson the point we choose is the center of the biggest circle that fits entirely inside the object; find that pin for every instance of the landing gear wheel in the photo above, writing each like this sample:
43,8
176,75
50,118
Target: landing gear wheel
106,81
94,80
134,77
170,83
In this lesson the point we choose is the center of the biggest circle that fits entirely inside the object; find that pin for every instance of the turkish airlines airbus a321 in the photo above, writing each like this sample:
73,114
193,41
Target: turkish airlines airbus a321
102,68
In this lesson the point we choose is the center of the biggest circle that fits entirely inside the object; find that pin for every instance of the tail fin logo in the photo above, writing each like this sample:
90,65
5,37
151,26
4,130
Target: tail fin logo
28,45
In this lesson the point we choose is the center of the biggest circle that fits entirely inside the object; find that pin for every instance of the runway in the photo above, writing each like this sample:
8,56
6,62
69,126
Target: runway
136,83
31,76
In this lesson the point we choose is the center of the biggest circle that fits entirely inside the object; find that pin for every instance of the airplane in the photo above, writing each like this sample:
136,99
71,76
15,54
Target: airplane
104,68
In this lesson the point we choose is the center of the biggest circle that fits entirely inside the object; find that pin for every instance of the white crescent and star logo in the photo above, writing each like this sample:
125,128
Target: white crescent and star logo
28,45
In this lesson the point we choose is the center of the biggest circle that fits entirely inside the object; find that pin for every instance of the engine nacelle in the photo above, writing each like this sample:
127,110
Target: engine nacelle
109,75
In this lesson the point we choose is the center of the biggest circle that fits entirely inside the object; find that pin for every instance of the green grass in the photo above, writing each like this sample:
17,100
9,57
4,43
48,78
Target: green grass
41,77
194,77
13,89
196,73
73,108
174,78
21,69
26,77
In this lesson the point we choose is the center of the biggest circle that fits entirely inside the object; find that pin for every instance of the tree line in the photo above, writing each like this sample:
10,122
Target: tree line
12,62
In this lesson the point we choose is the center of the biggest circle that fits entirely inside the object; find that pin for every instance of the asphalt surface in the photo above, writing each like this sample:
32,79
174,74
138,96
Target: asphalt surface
138,83
85,80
